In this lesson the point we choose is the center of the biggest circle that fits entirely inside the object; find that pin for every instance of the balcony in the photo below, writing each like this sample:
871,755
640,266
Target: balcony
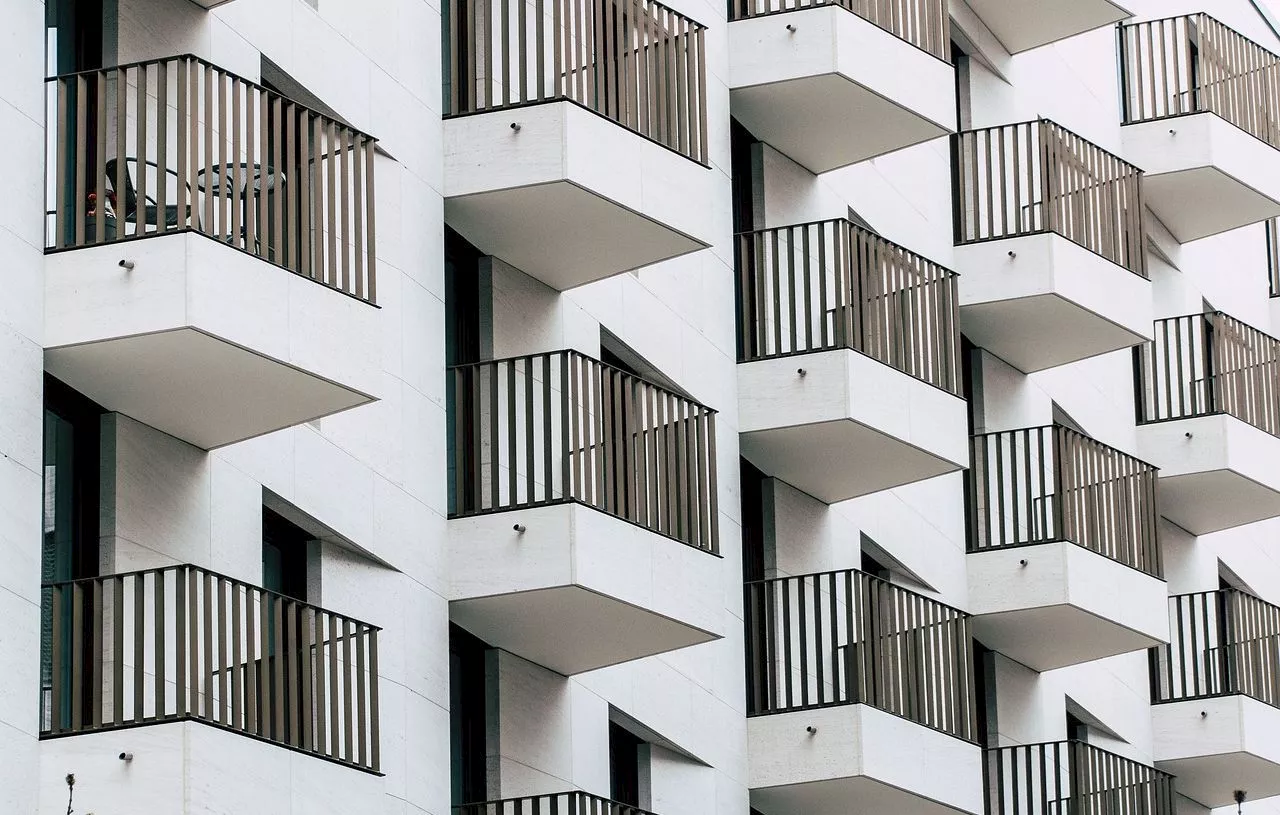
1049,246
1215,691
562,803
1021,25
1073,777
184,644
1201,117
575,137
858,699
848,379
1064,561
1208,400
584,522
211,266
836,82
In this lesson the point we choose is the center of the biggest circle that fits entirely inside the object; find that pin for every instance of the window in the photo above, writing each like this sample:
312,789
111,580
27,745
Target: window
467,717
625,749
69,549
753,523
285,549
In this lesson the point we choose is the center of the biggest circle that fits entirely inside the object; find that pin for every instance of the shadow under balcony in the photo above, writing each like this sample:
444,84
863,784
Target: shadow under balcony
1054,778
829,85
1064,562
569,167
214,299
583,528
1198,100
1021,25
1208,400
848,375
1049,246
859,699
1215,691
182,644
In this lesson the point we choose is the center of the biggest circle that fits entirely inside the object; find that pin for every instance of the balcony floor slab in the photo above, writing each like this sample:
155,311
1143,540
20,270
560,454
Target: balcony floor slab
571,197
579,589
1219,745
1040,301
849,426
860,759
837,89
1065,606
205,342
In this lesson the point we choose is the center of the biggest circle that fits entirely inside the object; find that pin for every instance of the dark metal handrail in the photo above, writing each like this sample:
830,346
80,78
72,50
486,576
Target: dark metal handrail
1206,364
1036,177
186,643
224,157
1073,778
638,63
559,803
1045,484
846,637
560,426
832,284
1179,66
1224,642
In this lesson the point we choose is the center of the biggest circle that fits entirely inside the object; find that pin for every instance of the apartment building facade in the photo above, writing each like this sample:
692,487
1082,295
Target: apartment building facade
617,407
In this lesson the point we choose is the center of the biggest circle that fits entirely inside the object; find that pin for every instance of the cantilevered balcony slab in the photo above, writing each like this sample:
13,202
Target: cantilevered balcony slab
1201,158
829,88
579,589
1064,559
1216,472
848,425
205,342
1039,301
569,196
860,759
1021,25
1216,746
1051,605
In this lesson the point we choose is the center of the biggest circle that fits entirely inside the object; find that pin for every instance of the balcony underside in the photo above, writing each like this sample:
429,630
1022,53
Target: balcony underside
861,759
849,426
1217,746
1216,472
579,589
836,90
1066,606
1021,25
1190,160
204,342
1051,303
570,197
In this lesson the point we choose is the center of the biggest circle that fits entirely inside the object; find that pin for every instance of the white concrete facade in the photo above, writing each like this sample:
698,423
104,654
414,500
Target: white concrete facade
279,394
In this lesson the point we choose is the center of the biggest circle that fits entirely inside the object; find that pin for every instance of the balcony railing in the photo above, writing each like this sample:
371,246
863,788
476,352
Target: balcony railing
221,156
1206,364
832,284
1073,778
843,638
1037,177
1222,643
926,24
1044,484
1195,64
562,803
559,427
637,62
183,643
